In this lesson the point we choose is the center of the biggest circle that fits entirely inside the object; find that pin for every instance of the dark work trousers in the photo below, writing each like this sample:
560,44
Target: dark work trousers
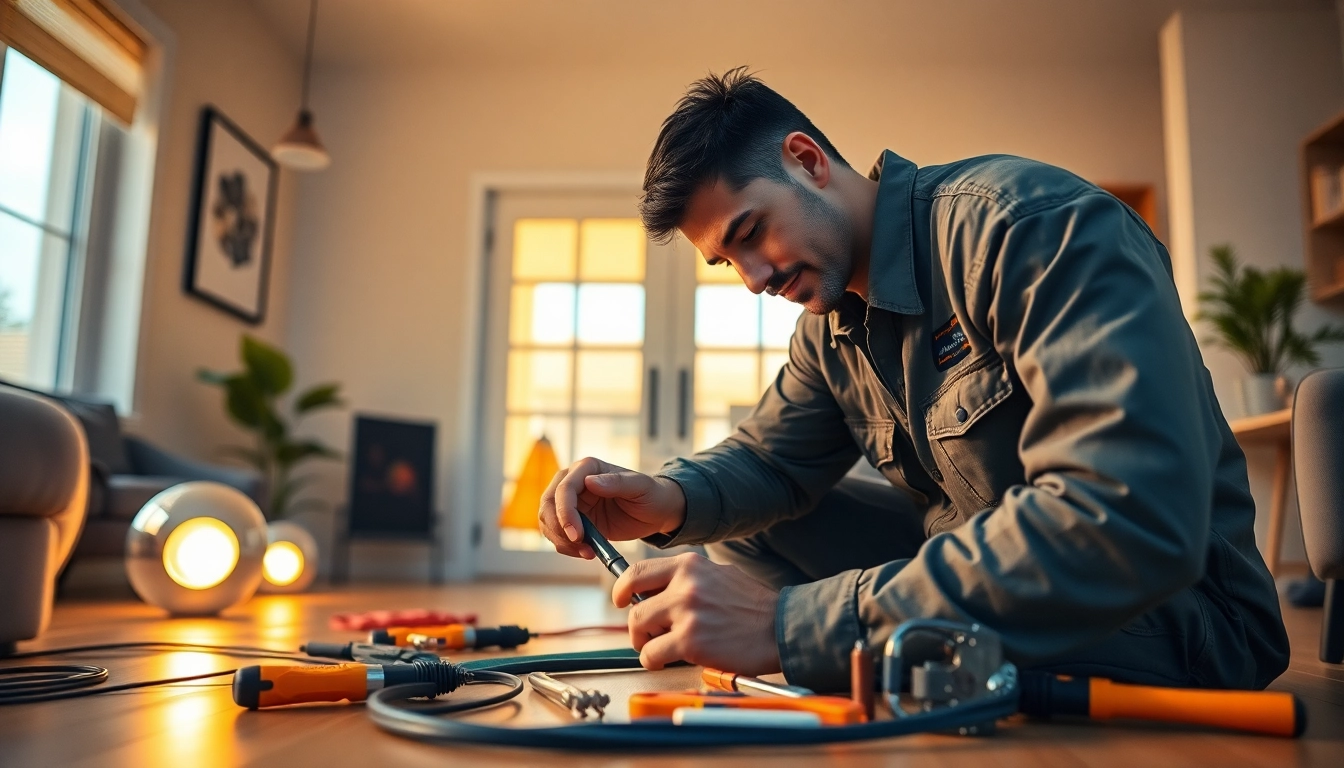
1196,638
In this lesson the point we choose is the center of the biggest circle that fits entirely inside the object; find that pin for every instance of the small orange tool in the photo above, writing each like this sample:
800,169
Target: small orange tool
451,637
832,710
275,685
735,683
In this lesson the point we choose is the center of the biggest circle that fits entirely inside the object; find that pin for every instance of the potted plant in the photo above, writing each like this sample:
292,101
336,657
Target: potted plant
1252,313
251,398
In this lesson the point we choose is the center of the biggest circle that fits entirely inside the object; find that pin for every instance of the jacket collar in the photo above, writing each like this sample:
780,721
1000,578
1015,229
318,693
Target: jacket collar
891,262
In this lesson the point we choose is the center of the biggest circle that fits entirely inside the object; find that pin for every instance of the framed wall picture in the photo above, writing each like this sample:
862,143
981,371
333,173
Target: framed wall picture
233,216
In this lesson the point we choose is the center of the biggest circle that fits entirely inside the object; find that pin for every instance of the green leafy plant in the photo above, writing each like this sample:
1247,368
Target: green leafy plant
1252,312
252,397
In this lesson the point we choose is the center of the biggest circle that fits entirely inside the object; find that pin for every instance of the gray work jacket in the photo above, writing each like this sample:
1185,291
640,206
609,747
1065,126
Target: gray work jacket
1022,368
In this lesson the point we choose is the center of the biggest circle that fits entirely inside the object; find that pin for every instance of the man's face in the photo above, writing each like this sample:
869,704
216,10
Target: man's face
782,238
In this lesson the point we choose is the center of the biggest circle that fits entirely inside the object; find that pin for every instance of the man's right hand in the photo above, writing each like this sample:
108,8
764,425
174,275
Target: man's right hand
622,503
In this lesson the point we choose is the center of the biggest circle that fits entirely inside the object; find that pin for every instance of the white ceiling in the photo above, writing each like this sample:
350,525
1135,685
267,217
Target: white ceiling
843,33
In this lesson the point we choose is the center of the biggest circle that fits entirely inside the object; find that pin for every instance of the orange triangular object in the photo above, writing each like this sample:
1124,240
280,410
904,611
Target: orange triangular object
538,471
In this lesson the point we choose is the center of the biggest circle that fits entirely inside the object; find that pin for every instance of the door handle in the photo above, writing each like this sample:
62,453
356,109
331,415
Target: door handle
653,402
683,402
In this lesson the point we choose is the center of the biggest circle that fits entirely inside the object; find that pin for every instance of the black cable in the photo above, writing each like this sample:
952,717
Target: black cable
29,684
483,677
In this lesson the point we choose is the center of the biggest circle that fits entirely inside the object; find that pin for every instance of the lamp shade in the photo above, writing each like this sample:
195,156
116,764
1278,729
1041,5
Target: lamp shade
521,511
196,548
290,562
300,148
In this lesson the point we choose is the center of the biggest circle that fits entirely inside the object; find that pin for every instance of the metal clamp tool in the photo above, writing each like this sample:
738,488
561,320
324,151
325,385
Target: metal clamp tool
577,700
950,664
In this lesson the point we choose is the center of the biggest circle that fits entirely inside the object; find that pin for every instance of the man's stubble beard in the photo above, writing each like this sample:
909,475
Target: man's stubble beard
837,262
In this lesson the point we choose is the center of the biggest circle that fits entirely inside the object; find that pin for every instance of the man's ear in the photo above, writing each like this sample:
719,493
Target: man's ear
805,158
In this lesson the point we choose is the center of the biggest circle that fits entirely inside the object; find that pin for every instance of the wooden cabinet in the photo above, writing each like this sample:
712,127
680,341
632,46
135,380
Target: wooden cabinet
1323,212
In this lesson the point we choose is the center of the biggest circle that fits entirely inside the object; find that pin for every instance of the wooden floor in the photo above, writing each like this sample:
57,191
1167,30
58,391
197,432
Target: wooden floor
199,726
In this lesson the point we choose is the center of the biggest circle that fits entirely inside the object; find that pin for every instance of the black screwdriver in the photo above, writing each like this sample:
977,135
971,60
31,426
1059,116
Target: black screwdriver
608,554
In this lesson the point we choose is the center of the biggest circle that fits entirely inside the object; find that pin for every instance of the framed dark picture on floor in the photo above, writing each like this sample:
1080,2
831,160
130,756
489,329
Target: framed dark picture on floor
233,212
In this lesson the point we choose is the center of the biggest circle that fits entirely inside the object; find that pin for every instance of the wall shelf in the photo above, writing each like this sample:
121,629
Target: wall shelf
1324,239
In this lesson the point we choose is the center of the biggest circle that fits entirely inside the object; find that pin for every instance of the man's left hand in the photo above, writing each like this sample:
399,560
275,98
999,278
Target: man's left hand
700,612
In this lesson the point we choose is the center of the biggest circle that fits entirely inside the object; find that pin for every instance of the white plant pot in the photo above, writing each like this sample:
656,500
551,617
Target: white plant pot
1261,393
297,547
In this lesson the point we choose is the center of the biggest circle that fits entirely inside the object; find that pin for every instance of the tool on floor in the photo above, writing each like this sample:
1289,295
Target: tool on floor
964,664
367,653
1269,712
606,553
274,685
451,637
415,617
732,682
862,680
832,710
577,700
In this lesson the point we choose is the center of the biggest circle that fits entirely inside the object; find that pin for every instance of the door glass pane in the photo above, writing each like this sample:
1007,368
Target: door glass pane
611,313
611,249
778,318
726,316
615,440
544,249
723,379
709,433
610,382
539,381
521,432
771,363
542,314
722,273
28,105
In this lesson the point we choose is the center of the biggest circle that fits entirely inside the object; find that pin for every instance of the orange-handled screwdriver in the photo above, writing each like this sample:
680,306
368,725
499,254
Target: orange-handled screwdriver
733,682
832,710
451,637
274,685
1269,712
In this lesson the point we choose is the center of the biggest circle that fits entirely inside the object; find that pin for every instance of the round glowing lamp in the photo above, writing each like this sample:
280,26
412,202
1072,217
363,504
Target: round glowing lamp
196,549
290,562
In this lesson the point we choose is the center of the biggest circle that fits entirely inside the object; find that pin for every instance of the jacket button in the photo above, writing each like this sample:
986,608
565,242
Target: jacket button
937,475
961,415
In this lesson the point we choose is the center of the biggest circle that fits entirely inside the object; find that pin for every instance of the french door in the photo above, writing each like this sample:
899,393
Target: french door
609,345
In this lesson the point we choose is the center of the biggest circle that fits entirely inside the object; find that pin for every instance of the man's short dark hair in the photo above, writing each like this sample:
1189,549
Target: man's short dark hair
728,127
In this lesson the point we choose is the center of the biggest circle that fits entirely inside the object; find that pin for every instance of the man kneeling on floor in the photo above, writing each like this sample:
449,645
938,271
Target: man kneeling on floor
1004,343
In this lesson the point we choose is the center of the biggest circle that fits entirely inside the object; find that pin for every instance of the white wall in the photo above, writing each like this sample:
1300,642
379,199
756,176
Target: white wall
1243,88
225,55
380,285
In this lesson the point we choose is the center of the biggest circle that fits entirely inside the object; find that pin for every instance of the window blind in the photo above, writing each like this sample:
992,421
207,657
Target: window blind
83,43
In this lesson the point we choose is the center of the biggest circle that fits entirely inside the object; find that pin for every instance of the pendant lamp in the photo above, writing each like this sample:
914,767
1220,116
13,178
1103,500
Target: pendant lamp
300,148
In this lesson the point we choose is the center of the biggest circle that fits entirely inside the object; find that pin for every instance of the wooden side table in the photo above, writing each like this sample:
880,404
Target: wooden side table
1271,429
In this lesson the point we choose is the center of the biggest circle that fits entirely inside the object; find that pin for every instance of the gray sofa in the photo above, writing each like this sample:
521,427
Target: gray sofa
127,471
44,485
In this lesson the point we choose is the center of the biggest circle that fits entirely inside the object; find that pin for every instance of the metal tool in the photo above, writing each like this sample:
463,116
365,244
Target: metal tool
950,664
607,554
367,653
730,681
577,700
862,681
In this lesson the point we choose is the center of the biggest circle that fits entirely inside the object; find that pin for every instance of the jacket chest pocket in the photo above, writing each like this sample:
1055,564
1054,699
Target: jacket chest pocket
974,426
875,438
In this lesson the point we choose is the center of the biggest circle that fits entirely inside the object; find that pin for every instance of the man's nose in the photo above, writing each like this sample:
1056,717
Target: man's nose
755,273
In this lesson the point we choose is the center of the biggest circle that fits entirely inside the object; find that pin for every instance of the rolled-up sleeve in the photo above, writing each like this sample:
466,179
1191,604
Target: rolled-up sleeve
791,449
1114,515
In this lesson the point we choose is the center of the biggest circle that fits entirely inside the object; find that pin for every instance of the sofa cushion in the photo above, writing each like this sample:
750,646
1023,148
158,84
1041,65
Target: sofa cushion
103,430
126,494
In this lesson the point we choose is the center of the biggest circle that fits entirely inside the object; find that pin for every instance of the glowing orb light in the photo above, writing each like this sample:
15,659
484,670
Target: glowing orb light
290,564
196,548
